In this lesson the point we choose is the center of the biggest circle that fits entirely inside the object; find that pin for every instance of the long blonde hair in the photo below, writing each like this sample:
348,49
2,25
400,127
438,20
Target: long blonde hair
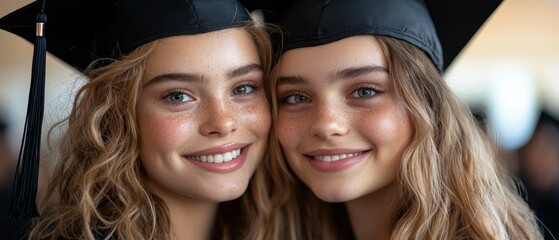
451,184
96,188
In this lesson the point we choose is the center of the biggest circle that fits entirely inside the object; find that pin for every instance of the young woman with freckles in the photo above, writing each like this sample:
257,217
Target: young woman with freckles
371,142
345,138
166,138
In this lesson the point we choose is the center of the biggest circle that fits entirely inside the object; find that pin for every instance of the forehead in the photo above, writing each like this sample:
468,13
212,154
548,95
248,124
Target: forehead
235,39
363,50
205,52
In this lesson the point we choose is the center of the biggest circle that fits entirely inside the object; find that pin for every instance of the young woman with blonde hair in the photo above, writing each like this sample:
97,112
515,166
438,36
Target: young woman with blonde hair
166,138
374,144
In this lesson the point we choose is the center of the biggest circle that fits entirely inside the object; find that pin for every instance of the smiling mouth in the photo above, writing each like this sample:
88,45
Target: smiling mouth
333,158
217,158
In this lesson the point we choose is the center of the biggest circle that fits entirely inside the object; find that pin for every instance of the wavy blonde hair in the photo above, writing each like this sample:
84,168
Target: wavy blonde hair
96,188
451,183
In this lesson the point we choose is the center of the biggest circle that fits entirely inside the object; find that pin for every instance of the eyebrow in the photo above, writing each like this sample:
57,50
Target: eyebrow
346,73
243,70
180,77
359,71
294,80
197,78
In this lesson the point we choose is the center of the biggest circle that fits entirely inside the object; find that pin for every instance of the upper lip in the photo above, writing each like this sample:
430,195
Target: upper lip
336,151
219,149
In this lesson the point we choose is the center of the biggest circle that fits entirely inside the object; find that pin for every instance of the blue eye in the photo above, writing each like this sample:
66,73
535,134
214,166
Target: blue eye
243,89
178,97
295,99
365,92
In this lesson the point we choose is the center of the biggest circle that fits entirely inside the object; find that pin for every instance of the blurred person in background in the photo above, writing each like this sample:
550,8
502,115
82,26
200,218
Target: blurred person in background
9,228
539,171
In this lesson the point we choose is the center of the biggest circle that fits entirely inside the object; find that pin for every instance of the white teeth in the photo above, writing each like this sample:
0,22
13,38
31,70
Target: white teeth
217,158
332,158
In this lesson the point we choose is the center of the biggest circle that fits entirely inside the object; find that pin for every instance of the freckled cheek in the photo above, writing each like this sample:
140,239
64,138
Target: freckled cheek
164,132
256,117
289,130
389,128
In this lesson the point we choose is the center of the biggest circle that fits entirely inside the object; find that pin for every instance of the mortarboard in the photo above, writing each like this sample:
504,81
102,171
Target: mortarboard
80,32
421,23
83,32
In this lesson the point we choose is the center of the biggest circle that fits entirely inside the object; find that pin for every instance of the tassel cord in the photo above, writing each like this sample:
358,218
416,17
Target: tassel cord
24,192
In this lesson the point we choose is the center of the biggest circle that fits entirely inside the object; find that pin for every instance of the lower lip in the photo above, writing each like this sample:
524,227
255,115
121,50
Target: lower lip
336,166
225,167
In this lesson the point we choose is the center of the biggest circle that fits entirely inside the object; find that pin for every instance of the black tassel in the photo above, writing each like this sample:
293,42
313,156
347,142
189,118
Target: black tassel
26,179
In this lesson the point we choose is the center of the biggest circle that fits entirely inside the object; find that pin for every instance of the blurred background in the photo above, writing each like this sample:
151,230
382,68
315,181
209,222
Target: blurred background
508,74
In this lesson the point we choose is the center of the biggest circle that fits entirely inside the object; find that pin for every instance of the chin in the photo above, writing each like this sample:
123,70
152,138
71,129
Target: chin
334,197
229,193
334,194
233,195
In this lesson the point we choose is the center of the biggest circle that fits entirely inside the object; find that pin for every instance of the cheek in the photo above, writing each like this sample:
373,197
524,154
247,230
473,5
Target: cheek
160,131
391,128
257,117
288,130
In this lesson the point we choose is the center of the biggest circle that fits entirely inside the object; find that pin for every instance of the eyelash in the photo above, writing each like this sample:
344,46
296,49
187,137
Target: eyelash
255,87
175,92
170,93
375,89
283,99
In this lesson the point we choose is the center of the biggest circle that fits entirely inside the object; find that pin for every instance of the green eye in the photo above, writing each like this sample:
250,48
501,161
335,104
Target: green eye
295,99
363,93
244,89
178,97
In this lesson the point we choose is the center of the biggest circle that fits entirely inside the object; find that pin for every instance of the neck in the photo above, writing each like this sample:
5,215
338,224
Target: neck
191,219
370,214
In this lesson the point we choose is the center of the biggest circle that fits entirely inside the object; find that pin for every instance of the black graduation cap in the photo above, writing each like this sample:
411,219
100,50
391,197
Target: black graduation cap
79,32
421,23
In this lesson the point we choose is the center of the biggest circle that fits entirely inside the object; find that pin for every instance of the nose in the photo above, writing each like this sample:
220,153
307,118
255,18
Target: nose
329,122
219,119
